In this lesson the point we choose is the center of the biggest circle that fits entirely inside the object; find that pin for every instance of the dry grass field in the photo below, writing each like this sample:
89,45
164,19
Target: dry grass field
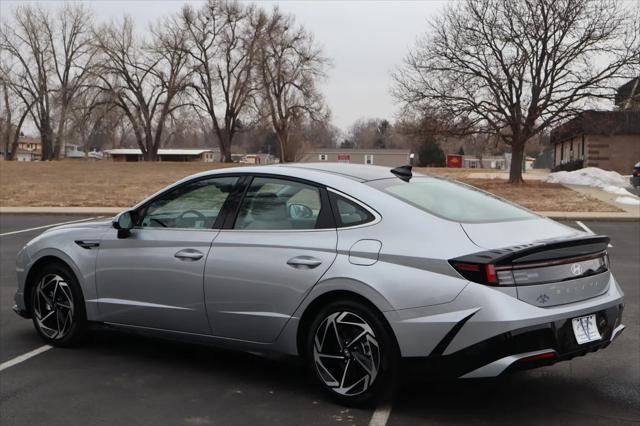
109,184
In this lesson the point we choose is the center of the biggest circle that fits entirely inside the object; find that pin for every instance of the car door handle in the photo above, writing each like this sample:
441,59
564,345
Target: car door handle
304,262
189,254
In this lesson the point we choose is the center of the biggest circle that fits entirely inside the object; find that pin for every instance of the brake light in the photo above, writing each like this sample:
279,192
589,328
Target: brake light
490,270
468,267
484,274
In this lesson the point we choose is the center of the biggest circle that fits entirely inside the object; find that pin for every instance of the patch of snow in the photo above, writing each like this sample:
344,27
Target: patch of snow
617,190
591,176
628,201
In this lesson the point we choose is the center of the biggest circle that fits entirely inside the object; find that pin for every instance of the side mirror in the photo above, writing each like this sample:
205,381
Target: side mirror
300,211
124,223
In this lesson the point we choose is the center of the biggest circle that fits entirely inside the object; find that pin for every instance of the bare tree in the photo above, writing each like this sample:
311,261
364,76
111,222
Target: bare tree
50,56
10,124
223,42
145,80
291,63
515,68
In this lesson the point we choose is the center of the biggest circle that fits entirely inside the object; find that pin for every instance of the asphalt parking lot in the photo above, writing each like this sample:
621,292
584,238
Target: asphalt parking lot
122,379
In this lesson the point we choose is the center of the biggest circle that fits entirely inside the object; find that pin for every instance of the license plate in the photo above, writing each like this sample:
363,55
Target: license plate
585,329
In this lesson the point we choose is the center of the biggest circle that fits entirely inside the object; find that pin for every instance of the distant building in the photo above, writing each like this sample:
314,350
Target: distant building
134,154
609,140
258,159
29,149
379,157
74,152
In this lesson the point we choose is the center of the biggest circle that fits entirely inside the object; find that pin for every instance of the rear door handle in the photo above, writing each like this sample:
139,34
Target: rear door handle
189,254
304,262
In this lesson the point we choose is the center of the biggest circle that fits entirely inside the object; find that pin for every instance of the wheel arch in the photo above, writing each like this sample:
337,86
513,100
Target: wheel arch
37,266
321,300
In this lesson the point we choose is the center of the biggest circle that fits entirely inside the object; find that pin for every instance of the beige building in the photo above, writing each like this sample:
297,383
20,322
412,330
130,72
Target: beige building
379,157
609,140
29,149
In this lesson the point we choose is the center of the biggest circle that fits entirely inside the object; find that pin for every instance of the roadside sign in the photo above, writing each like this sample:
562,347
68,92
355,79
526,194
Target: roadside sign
454,161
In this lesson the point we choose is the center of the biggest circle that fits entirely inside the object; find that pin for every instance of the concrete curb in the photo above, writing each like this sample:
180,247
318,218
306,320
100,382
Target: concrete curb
111,211
605,216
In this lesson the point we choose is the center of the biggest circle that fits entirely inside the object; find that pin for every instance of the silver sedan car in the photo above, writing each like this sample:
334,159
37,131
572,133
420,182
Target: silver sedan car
352,267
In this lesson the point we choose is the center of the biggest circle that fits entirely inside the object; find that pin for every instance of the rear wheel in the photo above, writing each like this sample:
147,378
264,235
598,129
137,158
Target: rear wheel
352,354
58,308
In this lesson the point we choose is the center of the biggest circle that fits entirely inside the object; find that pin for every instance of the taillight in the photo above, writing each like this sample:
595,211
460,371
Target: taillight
485,274
490,270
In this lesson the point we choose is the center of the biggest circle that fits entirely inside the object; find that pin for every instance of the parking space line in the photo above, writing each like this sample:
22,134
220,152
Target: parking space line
49,226
586,228
24,357
380,415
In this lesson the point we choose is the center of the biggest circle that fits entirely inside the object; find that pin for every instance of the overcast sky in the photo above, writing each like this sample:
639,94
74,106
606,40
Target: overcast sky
364,39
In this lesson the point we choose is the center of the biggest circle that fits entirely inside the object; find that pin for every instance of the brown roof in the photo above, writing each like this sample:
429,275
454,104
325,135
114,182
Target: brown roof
599,123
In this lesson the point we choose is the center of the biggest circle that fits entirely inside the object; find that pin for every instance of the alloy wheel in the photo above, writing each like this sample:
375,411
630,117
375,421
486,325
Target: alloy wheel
346,353
53,306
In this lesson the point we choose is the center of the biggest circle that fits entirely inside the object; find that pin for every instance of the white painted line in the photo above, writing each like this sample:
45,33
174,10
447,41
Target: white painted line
586,228
24,357
380,416
49,226
583,226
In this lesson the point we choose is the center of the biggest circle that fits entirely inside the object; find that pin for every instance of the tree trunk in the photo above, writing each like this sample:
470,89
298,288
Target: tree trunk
16,134
7,123
58,147
517,160
284,148
46,138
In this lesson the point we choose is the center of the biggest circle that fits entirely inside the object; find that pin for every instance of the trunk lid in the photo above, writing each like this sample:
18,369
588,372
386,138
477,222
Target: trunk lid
506,234
548,265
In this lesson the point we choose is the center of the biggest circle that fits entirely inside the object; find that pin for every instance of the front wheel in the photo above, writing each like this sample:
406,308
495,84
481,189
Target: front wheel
58,308
352,354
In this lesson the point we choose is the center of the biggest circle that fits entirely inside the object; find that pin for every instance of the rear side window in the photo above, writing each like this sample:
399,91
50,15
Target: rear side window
452,201
350,213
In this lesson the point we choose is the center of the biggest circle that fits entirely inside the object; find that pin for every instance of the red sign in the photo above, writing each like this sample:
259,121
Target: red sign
344,158
454,161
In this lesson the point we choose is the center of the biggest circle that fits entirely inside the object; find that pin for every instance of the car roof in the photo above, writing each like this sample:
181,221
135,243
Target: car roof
354,172
359,172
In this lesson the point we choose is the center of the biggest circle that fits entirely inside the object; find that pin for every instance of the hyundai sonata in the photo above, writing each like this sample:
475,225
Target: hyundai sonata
352,267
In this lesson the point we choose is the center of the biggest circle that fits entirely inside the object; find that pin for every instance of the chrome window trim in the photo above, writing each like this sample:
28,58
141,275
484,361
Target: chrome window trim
377,217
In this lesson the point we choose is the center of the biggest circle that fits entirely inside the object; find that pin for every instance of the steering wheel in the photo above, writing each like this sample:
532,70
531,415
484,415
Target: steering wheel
195,212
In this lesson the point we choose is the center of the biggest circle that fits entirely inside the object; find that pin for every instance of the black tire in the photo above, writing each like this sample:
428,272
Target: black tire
383,385
58,280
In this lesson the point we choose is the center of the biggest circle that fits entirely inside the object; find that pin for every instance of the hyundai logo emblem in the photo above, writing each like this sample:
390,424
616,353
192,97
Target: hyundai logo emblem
576,269
543,298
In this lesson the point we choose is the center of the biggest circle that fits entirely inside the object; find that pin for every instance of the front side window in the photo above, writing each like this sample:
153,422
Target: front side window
452,201
195,205
279,204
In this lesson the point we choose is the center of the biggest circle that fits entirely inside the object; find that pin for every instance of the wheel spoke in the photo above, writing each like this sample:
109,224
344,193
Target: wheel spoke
344,373
331,356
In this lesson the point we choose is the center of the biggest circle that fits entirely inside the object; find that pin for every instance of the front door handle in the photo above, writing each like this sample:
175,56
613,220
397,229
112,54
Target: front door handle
304,262
189,254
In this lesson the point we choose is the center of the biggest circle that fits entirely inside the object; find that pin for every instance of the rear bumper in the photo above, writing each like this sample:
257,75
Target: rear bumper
531,347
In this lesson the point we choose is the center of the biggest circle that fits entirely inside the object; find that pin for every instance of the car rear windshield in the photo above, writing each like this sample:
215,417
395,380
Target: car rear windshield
452,201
